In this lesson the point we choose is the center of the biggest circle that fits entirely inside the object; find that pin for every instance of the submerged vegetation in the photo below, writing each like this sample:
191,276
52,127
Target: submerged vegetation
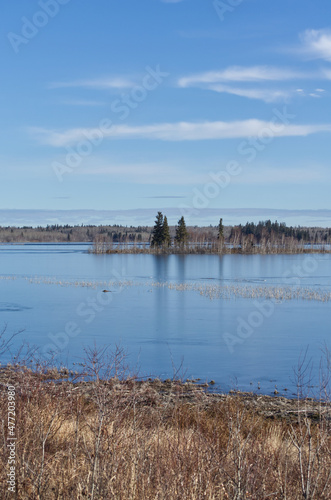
213,292
105,434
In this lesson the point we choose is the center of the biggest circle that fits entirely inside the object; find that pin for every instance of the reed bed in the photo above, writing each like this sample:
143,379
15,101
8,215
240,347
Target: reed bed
213,292
117,439
208,248
251,292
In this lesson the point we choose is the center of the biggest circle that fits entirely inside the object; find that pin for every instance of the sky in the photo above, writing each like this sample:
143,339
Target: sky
202,108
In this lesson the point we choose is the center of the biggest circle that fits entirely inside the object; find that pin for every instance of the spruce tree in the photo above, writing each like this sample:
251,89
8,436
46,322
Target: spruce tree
220,230
157,233
181,233
166,233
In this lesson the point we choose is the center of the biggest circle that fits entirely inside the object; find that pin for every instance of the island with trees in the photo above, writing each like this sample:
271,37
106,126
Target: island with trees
264,237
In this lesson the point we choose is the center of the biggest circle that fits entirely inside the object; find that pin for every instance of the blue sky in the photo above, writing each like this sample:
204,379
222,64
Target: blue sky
195,106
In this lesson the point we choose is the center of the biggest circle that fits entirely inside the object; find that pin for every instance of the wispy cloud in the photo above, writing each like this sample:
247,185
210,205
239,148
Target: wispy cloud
243,74
317,43
225,81
96,84
310,93
204,216
181,131
266,95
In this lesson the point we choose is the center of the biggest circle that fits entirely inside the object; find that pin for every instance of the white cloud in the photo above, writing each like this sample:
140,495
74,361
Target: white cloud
317,43
97,84
310,93
181,131
138,216
267,95
260,76
242,74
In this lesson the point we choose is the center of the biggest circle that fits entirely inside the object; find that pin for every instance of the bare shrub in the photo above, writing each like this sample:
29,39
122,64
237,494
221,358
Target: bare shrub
108,435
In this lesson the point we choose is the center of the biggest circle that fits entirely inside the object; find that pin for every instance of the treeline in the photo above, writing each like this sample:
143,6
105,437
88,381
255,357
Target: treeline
268,228
263,237
71,234
267,234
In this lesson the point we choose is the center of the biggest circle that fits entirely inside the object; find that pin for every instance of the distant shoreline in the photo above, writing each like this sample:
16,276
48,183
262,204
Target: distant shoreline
266,237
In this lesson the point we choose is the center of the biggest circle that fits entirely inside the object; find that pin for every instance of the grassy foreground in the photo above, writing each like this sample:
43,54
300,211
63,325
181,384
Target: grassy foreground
124,439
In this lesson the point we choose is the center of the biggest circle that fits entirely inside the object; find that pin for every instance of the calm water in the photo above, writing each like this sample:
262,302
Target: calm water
167,310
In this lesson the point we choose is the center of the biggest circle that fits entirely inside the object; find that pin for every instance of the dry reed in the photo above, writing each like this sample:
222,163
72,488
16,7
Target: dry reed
118,438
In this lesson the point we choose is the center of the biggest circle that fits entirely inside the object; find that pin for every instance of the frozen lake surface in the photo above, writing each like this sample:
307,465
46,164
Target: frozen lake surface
241,320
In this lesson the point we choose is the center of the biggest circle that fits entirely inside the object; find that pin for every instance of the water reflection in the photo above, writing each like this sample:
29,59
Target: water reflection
162,323
221,267
161,265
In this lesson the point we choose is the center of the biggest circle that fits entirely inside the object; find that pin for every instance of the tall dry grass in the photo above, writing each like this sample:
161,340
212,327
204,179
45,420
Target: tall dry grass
106,435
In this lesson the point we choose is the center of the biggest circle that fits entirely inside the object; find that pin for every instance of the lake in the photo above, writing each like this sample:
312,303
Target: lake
240,320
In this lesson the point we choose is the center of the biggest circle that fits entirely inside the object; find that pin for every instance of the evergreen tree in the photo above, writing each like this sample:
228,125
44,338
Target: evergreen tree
220,230
157,233
166,233
181,233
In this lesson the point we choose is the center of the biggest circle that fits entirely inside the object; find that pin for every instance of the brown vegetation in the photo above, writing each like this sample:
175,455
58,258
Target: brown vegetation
113,437
214,248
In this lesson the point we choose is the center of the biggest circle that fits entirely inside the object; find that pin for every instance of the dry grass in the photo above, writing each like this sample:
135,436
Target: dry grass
211,248
126,440
213,292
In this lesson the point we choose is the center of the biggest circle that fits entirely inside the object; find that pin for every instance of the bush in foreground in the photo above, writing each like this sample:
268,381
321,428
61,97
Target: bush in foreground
106,435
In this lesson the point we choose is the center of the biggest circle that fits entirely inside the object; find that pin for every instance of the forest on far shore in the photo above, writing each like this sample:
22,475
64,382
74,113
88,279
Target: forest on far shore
245,237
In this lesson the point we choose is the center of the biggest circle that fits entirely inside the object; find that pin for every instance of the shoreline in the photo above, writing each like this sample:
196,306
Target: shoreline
171,392
209,251
198,250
